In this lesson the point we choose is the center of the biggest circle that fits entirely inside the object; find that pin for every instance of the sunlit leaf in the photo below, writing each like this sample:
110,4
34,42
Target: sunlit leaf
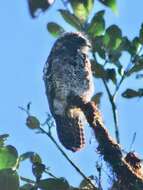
71,19
38,5
111,4
32,122
113,37
52,184
82,8
55,29
135,44
9,180
97,25
8,157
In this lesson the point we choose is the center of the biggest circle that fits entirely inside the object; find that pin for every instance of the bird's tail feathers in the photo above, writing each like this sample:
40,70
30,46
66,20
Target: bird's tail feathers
70,132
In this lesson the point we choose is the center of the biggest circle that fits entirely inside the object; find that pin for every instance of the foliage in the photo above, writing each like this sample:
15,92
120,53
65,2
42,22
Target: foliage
107,53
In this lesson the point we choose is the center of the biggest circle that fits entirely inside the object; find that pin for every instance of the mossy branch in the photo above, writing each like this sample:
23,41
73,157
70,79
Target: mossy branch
108,148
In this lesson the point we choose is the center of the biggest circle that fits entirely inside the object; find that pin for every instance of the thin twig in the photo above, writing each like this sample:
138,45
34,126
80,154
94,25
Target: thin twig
50,174
118,86
114,110
112,102
27,180
67,158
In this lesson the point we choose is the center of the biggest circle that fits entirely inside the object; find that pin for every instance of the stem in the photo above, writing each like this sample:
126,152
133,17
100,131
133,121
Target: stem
114,111
50,174
68,159
112,102
118,86
27,180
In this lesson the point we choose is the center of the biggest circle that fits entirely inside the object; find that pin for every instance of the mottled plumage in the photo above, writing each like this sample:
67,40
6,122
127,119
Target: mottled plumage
68,72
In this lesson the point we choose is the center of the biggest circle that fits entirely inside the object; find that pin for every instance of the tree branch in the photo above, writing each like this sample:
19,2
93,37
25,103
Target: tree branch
108,148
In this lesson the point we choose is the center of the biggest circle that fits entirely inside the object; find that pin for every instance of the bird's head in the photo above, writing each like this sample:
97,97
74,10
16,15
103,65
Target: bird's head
74,41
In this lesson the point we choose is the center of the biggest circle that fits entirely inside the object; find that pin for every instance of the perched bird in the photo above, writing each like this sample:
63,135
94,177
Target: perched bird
67,72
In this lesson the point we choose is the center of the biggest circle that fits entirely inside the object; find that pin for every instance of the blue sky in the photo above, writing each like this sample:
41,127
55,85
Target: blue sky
24,47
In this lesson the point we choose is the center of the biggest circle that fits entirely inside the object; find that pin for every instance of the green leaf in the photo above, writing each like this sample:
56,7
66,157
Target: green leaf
138,66
141,34
34,157
52,184
38,169
114,56
32,122
113,37
121,70
97,45
9,180
97,97
82,8
130,93
8,157
111,4
55,29
130,46
97,25
26,187
111,74
26,155
98,70
125,44
86,185
35,5
71,19
3,138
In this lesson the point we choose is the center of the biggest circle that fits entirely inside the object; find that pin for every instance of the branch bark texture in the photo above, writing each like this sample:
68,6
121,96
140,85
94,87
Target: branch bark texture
111,151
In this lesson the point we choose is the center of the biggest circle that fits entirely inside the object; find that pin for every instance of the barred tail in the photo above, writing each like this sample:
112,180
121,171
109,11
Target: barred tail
70,132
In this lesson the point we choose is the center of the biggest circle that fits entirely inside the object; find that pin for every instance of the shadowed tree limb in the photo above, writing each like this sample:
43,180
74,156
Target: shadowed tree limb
108,148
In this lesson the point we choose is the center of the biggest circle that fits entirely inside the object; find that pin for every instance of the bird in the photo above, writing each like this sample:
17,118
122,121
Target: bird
67,72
